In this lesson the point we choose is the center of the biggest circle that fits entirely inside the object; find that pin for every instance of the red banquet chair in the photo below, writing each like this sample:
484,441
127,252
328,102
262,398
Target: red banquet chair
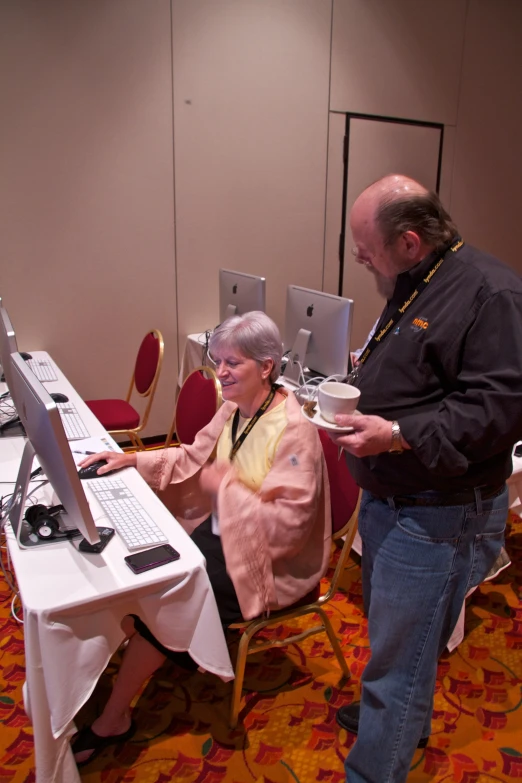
198,400
345,498
119,417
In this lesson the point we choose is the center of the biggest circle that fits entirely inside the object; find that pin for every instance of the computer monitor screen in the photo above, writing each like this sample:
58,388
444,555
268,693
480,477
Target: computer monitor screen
46,440
240,293
317,332
7,345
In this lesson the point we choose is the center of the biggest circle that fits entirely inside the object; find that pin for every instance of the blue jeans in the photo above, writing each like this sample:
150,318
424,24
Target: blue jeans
418,563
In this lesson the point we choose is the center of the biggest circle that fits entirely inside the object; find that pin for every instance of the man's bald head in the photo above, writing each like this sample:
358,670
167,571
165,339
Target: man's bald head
396,204
389,188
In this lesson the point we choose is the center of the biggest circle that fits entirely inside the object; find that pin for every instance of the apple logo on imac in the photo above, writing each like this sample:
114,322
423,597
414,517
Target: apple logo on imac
234,288
309,310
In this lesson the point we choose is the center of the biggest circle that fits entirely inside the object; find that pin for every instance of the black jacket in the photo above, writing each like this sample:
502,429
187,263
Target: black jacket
451,374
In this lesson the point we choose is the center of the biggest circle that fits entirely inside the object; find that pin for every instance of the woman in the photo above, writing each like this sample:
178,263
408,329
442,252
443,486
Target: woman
267,541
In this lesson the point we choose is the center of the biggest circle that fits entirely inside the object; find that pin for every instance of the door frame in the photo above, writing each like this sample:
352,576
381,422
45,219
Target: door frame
346,146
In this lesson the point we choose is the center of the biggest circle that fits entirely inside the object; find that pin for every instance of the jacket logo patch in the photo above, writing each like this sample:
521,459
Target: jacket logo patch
419,324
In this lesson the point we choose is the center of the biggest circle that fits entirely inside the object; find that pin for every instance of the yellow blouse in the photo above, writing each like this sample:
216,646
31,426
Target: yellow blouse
256,455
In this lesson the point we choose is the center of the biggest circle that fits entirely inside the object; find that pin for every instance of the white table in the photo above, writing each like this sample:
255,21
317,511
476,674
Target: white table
194,355
74,603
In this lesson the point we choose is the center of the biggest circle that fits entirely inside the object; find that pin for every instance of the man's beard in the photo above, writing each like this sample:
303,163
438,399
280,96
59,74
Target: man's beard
385,285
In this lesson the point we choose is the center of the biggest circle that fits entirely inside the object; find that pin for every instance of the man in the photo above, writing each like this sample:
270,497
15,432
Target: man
441,398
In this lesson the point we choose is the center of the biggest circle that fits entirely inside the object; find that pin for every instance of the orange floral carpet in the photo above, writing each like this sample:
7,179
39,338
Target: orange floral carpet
287,730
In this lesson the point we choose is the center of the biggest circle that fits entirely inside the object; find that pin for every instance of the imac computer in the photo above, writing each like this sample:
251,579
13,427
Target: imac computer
9,421
7,345
239,293
43,368
317,333
46,440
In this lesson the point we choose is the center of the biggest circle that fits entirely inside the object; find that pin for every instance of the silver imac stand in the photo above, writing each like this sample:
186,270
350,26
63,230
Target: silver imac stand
26,538
297,354
230,311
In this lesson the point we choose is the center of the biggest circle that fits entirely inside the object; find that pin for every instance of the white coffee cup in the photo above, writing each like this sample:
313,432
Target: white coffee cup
334,398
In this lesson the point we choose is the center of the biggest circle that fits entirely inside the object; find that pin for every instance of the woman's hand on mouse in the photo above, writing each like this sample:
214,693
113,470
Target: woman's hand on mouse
114,461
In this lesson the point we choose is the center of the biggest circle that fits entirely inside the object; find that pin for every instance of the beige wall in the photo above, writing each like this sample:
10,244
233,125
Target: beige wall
465,74
487,174
134,129
87,212
250,130
398,59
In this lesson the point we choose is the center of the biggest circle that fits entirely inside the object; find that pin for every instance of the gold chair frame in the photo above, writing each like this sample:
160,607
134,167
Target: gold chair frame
253,626
219,399
133,435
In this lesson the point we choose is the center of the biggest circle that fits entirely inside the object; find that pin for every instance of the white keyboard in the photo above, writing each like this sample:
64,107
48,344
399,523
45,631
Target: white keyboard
43,369
72,422
130,519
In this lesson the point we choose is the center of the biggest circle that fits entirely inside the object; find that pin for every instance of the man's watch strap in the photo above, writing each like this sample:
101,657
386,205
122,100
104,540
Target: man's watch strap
396,439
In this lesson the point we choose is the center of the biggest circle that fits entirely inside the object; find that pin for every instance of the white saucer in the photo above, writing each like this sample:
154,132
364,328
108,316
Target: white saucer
318,421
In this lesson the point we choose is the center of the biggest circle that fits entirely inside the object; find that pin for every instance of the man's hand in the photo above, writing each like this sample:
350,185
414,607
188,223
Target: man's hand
371,435
211,477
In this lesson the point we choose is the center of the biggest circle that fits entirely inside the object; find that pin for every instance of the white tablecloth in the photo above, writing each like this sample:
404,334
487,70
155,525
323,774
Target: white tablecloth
74,604
74,639
194,355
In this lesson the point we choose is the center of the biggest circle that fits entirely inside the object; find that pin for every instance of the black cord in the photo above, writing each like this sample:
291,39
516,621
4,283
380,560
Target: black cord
208,335
6,498
10,423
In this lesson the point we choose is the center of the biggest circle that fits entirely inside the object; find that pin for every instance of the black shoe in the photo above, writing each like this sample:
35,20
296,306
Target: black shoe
348,718
87,739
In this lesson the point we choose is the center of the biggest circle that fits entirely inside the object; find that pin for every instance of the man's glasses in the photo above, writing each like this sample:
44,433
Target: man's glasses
362,256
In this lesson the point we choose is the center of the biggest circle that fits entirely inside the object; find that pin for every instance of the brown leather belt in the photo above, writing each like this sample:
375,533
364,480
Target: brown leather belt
446,498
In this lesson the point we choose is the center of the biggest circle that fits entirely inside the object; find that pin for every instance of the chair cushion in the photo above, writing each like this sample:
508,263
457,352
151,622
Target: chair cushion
309,598
344,492
114,414
195,407
146,362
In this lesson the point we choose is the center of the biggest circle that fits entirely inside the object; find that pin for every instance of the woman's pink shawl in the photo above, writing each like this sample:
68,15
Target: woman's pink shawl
277,540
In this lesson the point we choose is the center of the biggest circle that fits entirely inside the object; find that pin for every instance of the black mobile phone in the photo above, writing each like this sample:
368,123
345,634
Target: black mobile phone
151,558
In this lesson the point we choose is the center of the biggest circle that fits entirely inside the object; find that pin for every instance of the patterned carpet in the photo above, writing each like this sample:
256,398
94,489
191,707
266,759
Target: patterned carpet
287,731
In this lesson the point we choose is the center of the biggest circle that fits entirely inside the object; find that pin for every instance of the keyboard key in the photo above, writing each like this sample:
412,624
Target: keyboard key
72,422
43,369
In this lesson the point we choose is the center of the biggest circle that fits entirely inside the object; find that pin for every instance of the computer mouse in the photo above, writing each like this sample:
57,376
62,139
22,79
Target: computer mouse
25,356
91,471
58,397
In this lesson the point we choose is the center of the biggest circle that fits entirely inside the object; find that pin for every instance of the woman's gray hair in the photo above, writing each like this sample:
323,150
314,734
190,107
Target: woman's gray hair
254,334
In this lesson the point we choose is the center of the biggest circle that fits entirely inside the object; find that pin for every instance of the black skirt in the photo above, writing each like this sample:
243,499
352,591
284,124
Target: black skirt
226,598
